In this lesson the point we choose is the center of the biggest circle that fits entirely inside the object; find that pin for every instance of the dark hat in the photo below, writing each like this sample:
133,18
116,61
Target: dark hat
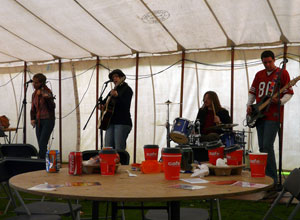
116,71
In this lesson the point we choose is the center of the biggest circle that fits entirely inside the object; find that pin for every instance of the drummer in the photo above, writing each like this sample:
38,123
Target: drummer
211,114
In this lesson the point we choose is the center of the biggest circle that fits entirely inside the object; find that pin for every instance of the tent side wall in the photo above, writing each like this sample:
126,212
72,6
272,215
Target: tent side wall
159,81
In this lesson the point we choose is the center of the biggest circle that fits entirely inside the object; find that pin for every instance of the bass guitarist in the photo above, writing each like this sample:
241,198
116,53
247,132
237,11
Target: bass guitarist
264,83
116,106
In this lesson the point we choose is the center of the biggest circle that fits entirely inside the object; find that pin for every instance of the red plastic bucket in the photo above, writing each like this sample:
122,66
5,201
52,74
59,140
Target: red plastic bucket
214,154
258,163
151,152
235,157
108,159
171,163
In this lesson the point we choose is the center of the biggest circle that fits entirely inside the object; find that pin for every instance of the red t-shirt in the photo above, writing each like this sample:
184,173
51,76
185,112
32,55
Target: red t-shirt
263,85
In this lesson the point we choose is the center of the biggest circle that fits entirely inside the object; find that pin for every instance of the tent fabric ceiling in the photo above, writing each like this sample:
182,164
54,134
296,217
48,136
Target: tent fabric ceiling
46,30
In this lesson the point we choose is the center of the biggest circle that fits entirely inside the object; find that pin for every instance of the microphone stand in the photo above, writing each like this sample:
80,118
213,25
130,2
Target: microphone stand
24,103
99,102
277,86
280,125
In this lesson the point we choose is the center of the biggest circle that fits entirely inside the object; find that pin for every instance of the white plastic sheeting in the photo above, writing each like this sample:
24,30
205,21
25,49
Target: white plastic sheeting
44,30
205,71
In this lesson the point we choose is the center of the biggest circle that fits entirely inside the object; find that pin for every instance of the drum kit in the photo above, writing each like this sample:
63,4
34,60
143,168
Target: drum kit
187,133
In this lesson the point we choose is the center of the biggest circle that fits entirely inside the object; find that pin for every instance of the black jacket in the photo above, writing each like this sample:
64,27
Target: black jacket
121,114
223,115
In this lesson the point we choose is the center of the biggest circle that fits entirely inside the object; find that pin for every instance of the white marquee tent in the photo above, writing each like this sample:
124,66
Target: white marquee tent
169,49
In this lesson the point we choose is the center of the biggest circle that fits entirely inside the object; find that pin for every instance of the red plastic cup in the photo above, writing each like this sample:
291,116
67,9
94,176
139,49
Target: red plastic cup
108,159
214,154
258,163
235,157
171,163
151,152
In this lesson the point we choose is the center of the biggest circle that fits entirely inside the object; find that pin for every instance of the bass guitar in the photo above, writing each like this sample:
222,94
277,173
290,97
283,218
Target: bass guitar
109,108
257,109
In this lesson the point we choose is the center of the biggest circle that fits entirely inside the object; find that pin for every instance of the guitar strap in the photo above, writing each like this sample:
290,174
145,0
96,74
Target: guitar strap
275,85
122,88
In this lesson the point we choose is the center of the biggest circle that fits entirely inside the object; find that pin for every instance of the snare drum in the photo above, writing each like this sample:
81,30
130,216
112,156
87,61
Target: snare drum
180,131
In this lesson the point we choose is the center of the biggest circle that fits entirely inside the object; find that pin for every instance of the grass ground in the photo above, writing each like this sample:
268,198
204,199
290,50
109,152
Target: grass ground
230,209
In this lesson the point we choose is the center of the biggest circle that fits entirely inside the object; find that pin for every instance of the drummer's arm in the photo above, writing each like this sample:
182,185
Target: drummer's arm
225,118
217,120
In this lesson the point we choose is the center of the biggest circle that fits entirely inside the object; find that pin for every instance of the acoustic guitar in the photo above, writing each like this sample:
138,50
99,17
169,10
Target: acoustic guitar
257,109
109,108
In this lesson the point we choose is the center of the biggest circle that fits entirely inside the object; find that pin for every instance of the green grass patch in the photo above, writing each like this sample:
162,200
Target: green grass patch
230,209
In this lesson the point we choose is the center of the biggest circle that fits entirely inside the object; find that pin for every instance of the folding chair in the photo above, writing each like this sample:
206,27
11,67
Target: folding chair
49,208
291,185
35,217
4,177
28,215
124,157
2,134
87,154
14,166
18,150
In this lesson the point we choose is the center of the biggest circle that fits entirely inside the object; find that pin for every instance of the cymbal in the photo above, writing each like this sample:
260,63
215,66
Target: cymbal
168,102
222,126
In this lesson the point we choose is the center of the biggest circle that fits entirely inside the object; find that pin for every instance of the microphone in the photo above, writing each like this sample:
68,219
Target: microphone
284,60
29,81
107,81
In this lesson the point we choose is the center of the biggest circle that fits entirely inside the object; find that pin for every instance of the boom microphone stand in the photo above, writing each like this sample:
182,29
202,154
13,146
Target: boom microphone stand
100,101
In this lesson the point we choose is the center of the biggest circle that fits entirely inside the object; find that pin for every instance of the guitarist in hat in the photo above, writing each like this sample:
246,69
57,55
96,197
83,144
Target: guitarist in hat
118,122
268,126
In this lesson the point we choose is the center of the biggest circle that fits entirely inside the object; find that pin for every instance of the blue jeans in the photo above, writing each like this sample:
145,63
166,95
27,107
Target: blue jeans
116,136
266,133
43,131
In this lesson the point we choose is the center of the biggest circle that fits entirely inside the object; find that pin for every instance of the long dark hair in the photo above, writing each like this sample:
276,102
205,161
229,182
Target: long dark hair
215,99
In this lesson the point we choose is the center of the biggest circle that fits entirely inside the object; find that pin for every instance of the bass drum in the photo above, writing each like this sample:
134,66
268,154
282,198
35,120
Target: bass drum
181,130
200,152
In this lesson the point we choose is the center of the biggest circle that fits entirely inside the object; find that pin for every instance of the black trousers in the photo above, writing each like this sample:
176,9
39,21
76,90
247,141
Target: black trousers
43,131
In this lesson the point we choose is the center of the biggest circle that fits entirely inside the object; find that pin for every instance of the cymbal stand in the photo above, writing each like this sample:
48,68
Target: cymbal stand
243,144
198,135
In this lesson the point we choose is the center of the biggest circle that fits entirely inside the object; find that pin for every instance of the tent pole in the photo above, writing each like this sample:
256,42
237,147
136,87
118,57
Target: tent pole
25,94
59,109
97,95
232,83
136,105
182,82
